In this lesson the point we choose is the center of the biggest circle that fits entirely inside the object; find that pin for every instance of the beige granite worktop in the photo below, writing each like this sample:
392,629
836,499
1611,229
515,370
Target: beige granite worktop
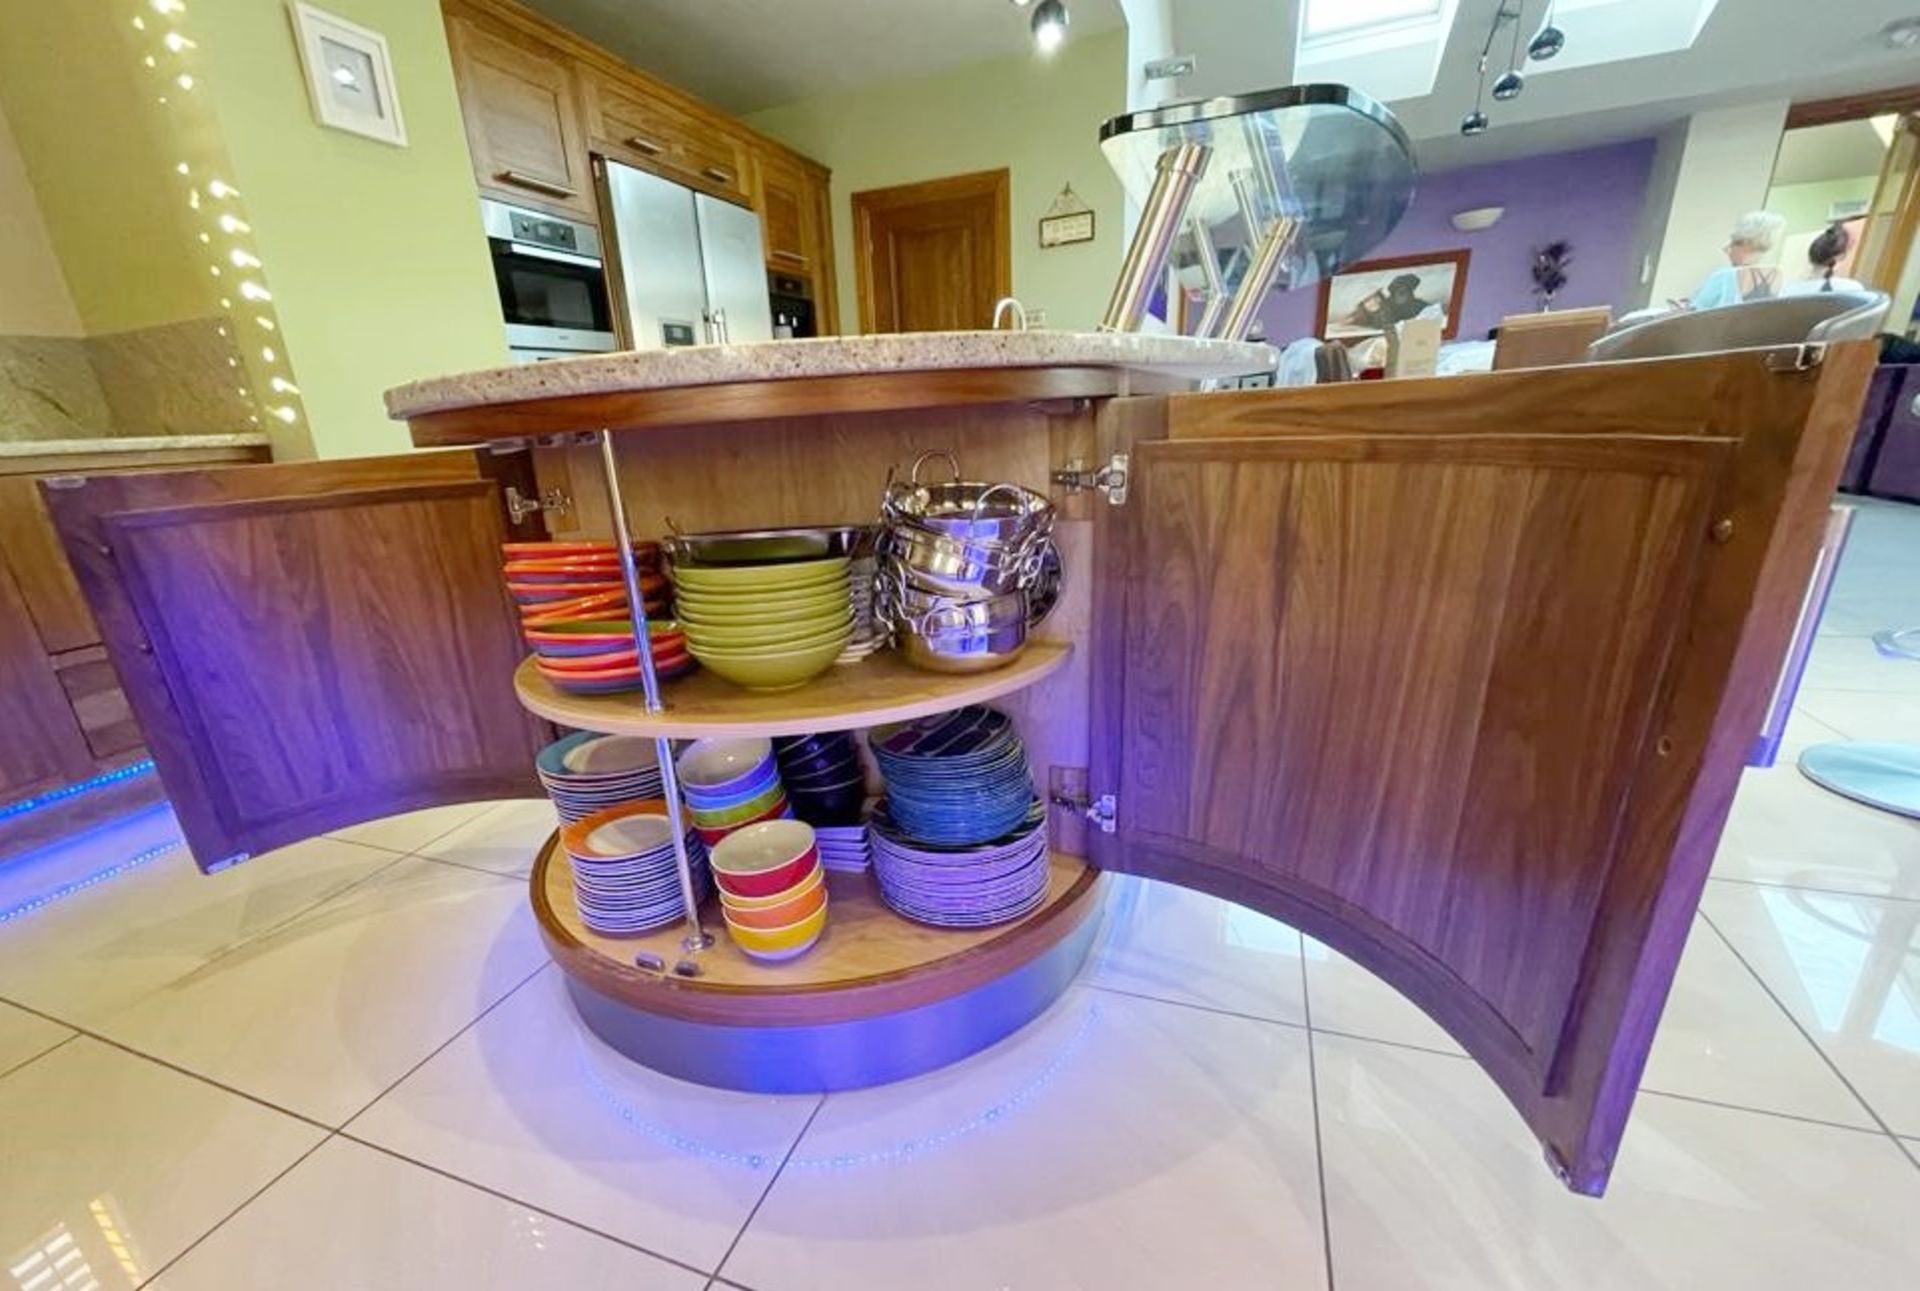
128,444
830,356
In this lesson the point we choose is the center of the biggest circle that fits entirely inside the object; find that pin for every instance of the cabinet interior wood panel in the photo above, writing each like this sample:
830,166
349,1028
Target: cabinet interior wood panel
31,550
43,744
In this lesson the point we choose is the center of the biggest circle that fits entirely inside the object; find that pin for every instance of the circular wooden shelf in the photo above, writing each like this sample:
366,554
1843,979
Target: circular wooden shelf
869,961
881,688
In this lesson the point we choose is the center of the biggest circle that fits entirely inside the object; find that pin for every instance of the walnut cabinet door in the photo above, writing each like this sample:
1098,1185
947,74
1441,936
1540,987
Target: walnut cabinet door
1457,676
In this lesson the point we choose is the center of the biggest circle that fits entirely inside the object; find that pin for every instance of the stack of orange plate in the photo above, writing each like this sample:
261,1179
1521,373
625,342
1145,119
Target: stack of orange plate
555,582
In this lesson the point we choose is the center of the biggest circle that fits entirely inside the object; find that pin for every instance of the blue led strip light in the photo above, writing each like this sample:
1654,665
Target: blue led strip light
65,792
903,1150
65,890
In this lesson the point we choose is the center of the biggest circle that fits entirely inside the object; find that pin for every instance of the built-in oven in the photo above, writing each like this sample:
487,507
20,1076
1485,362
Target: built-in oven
791,300
552,283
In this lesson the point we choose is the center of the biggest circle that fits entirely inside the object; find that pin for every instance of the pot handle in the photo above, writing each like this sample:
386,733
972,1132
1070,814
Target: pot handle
941,453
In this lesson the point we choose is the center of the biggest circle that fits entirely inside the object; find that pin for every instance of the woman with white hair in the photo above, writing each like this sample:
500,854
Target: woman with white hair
1743,277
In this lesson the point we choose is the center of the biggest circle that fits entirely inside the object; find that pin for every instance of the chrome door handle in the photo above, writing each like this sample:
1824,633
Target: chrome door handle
720,325
537,184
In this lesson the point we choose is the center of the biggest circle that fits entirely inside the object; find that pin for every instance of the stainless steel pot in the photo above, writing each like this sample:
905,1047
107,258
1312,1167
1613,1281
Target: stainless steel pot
970,636
968,510
944,566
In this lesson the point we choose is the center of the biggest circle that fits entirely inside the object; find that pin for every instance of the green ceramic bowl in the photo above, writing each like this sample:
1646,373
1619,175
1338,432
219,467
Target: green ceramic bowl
757,636
760,578
741,813
781,670
761,609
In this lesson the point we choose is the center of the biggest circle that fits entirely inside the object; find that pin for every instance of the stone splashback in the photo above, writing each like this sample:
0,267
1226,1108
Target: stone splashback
175,379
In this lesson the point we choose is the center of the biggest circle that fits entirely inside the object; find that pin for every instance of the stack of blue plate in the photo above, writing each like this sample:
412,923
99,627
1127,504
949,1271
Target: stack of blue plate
963,887
956,779
587,771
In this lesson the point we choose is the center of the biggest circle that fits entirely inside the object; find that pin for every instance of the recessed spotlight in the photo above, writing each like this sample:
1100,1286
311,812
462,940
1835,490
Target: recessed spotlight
1049,25
1509,86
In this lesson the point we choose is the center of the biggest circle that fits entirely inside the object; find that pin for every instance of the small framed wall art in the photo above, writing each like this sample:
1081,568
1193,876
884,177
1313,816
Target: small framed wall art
349,75
1067,221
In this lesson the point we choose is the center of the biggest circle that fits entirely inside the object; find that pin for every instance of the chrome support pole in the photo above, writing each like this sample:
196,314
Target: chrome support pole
697,938
1216,306
1265,268
1177,174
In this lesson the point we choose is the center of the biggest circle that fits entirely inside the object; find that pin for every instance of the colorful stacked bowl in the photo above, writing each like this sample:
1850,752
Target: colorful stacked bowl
766,627
596,656
561,581
625,875
825,780
729,784
588,772
773,890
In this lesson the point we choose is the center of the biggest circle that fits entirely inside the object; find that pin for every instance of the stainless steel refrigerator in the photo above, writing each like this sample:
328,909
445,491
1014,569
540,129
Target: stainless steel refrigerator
689,268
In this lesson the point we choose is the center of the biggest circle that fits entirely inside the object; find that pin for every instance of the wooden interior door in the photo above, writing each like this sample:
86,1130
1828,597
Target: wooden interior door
1458,675
311,645
1893,217
933,256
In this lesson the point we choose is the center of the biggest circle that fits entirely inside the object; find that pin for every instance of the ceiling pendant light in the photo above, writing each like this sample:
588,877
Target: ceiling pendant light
1548,42
1049,25
1475,122
1511,82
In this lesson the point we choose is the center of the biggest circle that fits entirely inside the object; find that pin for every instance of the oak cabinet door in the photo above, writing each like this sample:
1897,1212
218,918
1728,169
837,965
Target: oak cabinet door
1457,676
308,646
517,99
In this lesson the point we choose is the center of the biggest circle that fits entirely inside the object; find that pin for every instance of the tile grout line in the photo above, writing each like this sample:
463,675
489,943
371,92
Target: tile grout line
1825,1057
1801,887
491,1191
250,1198
305,910
462,865
1319,1146
1202,1008
767,1191
30,1059
438,1049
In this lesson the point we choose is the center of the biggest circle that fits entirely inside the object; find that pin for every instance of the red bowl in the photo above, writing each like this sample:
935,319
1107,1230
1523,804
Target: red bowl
766,883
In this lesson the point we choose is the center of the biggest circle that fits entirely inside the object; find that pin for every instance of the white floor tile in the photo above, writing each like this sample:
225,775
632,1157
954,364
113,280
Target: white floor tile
1784,829
1172,943
125,1162
1722,1038
1347,998
322,1014
530,1104
1848,969
1433,1184
1865,716
98,951
1874,587
504,839
1852,663
349,1216
1115,1143
25,1036
412,830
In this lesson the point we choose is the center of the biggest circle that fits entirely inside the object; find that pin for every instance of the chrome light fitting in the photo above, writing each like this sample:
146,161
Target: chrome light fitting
1510,83
1049,24
1549,41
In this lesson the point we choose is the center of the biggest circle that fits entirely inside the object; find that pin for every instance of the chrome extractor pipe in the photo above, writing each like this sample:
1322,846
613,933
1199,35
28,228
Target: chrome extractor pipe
1265,268
1178,172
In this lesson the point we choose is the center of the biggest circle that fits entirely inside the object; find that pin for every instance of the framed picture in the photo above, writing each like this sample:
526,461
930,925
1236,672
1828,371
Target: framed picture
1374,294
349,75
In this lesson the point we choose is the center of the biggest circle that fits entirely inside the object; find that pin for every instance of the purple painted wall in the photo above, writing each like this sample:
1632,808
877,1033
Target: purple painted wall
1592,198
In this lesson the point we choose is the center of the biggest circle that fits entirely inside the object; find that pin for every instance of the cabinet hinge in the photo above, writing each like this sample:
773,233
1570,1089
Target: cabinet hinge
1799,358
1110,479
520,506
1103,811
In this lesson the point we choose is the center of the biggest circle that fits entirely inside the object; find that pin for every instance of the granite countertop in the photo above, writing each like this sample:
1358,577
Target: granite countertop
128,444
830,356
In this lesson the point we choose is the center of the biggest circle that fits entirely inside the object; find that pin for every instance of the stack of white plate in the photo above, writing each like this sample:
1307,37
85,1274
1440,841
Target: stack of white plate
868,634
625,878
847,848
963,886
587,771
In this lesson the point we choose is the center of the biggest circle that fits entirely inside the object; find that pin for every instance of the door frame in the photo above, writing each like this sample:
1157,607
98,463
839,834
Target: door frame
995,184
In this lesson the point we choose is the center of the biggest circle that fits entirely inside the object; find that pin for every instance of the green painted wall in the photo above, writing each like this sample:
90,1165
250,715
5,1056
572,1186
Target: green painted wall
375,254
1038,117
98,152
1805,206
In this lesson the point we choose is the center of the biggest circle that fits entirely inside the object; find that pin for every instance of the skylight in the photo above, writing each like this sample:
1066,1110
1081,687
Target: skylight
1337,19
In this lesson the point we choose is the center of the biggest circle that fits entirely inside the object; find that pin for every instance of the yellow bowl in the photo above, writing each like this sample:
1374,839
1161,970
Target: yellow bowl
782,669
740,578
779,943
816,878
765,636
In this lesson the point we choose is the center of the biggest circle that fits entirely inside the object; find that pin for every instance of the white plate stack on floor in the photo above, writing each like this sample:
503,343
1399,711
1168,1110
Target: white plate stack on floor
587,772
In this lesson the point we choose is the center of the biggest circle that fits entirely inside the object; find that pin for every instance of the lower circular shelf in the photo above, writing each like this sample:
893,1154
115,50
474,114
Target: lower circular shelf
877,999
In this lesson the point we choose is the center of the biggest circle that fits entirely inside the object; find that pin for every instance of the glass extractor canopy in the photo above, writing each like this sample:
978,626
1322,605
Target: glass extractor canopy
1286,186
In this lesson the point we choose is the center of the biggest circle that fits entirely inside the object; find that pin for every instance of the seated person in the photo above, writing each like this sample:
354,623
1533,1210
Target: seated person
1743,277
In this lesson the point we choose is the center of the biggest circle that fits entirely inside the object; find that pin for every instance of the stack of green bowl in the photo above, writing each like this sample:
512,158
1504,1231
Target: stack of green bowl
765,627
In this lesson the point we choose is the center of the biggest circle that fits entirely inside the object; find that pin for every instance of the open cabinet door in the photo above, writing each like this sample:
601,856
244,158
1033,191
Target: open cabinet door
307,646
1458,676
